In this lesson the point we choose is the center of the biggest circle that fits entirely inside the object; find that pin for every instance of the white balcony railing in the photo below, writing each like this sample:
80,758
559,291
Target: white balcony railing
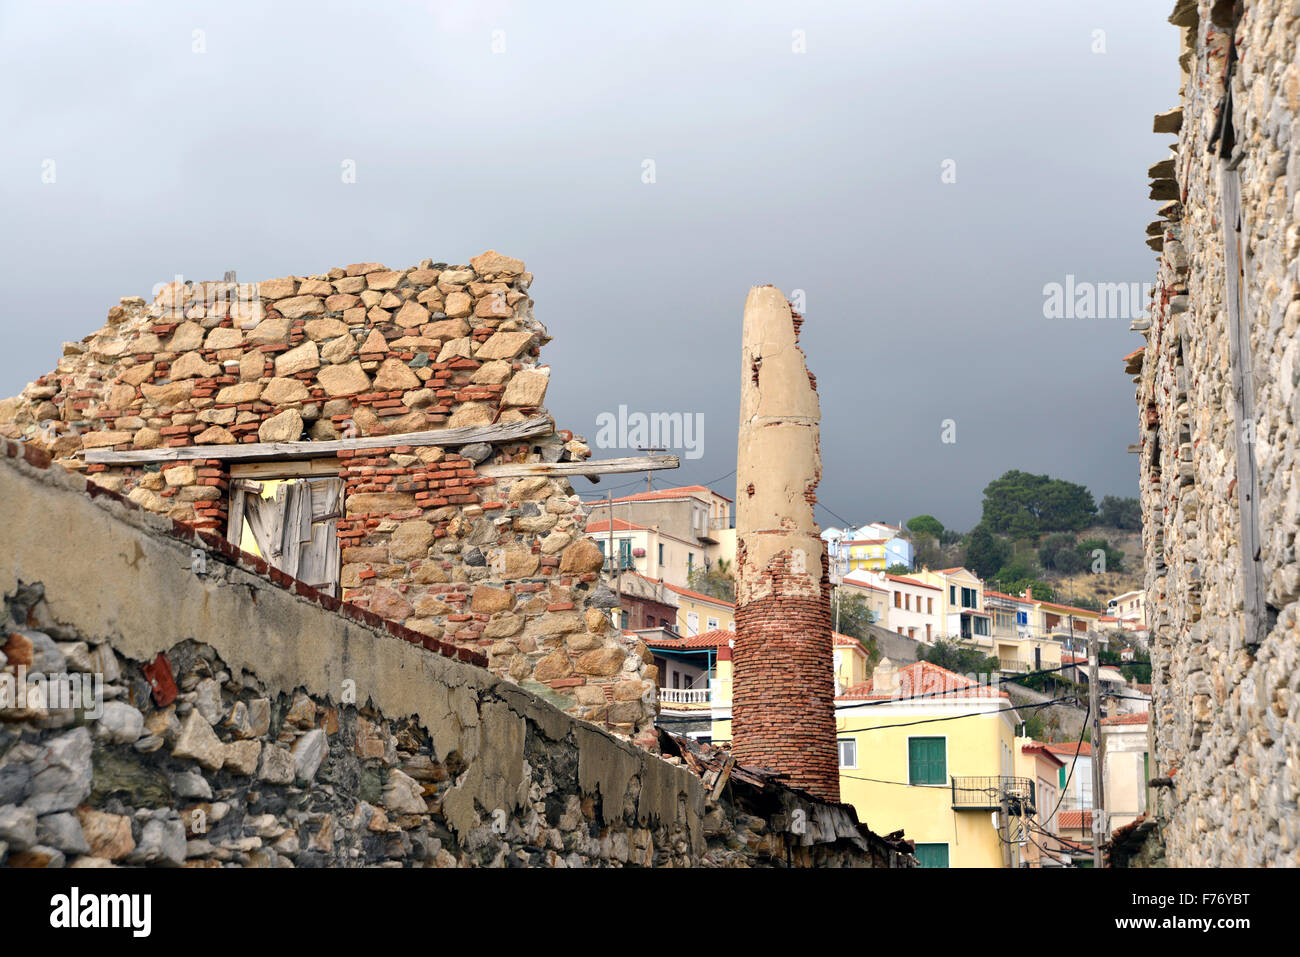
684,695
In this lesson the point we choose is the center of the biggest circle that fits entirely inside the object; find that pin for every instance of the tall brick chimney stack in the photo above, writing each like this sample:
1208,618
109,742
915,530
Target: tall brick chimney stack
783,691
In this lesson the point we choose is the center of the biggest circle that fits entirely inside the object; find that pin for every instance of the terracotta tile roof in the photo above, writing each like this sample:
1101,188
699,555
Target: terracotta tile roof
912,581
1037,747
709,639
999,594
1074,820
682,491
924,680
846,641
1067,747
700,597
859,583
1082,611
620,525
1137,717
866,541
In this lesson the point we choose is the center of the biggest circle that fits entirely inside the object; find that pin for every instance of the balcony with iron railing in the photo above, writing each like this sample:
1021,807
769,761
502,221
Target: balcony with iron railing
988,793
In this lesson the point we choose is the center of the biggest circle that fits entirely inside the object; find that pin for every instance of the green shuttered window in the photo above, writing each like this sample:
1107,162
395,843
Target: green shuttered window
927,761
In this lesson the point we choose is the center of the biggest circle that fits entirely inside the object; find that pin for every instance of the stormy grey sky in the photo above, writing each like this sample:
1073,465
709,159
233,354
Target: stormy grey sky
818,171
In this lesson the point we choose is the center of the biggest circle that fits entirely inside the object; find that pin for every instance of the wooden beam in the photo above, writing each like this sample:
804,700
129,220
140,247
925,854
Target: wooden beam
267,451
305,468
636,463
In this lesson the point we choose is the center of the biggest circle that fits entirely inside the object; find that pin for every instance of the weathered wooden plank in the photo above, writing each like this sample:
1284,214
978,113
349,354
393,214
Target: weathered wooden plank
266,451
281,470
636,463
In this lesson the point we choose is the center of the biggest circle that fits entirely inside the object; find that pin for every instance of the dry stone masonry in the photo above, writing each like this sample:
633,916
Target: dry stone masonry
1219,425
496,565
256,722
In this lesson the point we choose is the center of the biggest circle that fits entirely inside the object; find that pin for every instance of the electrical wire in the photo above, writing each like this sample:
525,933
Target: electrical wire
958,717
950,692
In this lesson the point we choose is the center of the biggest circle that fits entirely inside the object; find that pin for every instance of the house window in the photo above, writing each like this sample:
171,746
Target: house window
932,855
898,600
713,624
952,594
911,632
927,761
690,562
693,623
625,553
661,553
929,606
981,625
969,598
927,632
848,753
907,602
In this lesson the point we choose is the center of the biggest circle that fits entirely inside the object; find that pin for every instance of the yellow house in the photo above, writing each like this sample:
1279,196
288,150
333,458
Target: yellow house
852,663
698,613
950,784
866,554
962,611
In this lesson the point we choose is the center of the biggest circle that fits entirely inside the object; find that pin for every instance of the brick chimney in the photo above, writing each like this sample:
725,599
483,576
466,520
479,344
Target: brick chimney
783,697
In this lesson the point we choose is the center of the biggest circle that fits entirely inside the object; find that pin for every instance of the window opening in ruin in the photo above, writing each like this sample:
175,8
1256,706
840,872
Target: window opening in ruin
290,521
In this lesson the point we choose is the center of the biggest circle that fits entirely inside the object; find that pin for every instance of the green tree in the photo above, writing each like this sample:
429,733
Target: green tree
1121,513
898,568
1088,548
985,553
926,525
1052,545
714,579
1024,505
962,659
853,615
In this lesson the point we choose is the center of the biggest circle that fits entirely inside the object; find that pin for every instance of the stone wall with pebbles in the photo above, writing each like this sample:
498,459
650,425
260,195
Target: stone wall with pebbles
498,566
259,723
1226,710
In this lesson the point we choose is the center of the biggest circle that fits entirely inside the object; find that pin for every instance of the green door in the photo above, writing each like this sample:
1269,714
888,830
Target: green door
932,855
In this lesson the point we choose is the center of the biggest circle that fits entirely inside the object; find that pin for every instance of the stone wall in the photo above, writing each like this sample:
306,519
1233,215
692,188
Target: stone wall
1226,710
251,721
499,566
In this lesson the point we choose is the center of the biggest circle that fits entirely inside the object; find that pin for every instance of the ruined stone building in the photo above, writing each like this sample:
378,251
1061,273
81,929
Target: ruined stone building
293,537
1219,436
223,405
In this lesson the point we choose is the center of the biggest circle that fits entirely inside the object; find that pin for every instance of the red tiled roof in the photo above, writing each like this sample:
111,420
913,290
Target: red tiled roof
859,583
1136,717
1084,611
923,680
1037,747
846,641
998,594
700,597
1067,747
682,491
912,581
709,639
620,525
866,541
1074,820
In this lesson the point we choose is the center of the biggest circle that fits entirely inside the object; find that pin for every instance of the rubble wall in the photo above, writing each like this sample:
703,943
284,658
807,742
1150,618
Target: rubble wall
247,721
500,566
1226,711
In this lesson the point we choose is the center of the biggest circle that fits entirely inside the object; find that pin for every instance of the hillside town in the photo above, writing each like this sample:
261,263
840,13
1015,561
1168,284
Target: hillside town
315,572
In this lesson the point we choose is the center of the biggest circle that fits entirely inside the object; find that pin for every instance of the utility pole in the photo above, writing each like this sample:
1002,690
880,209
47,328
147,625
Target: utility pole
1098,792
613,562
649,475
1006,829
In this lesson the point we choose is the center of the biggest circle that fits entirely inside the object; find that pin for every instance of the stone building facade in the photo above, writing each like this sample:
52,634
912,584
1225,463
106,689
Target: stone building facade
1219,427
453,540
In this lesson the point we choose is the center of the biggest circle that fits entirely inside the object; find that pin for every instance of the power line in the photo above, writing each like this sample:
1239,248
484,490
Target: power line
953,692
958,717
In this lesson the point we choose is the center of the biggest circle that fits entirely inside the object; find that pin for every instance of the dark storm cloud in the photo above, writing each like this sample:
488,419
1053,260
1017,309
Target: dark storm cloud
817,171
